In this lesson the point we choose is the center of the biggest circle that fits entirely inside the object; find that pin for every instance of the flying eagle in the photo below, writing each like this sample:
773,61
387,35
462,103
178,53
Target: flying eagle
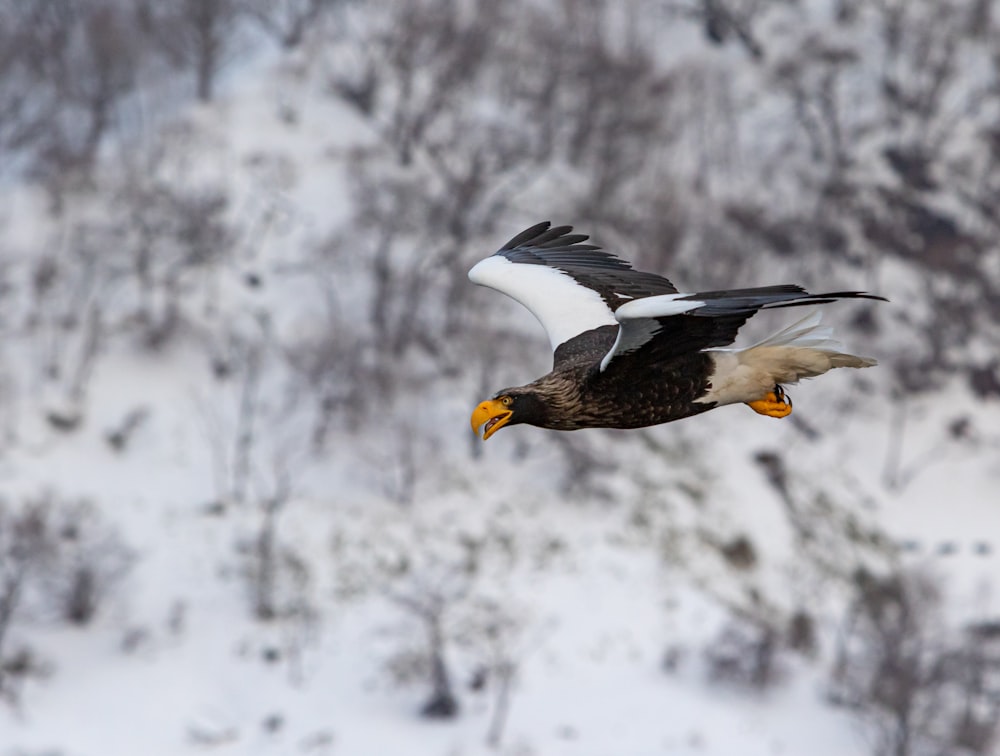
630,351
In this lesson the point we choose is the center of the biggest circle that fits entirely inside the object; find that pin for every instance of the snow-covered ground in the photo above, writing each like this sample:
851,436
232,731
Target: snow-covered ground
599,590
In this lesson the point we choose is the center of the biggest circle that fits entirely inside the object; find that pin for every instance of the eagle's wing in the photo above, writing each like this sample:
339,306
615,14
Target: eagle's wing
658,328
569,286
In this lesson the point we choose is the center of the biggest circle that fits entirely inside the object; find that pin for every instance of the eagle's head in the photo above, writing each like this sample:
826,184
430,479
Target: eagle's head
509,407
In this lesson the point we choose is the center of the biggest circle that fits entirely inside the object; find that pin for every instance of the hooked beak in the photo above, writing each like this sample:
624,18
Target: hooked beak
493,413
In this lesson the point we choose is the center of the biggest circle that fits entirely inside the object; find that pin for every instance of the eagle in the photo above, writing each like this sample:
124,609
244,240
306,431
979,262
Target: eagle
629,350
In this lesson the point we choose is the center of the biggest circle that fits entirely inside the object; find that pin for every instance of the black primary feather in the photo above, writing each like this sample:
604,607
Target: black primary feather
589,265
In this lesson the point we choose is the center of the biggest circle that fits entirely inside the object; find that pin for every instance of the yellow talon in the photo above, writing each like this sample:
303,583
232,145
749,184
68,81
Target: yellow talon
774,404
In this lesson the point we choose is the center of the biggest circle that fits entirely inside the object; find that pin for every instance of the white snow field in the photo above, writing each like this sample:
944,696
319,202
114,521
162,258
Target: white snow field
296,516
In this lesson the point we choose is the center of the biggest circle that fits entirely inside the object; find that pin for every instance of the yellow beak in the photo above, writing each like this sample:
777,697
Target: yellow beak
493,413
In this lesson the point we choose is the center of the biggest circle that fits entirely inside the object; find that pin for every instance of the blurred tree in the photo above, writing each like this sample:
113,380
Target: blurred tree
922,687
198,35
289,20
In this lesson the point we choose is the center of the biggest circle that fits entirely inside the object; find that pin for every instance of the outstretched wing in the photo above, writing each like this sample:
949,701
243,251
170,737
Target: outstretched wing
659,328
569,286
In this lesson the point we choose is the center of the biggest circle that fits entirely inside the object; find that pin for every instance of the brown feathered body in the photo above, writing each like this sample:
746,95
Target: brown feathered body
576,394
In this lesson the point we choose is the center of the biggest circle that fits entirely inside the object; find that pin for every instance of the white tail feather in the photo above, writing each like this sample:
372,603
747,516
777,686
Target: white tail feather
807,332
804,349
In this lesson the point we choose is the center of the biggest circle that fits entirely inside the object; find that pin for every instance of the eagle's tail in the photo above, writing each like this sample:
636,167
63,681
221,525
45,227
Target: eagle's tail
804,349
807,341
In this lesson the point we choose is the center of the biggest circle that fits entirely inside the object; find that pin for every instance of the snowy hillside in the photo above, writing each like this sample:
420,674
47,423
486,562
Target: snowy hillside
241,509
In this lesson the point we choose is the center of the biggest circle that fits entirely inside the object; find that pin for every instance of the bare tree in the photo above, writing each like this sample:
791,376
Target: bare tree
814,79
25,548
92,560
922,688
25,110
168,234
499,637
57,558
268,555
67,314
199,35
78,60
110,54
448,583
430,610
289,20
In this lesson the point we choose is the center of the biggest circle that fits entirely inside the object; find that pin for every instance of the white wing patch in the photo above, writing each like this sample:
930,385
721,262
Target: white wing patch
637,323
563,307
661,306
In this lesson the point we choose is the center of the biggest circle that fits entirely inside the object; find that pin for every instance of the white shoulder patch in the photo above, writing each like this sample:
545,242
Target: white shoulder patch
661,306
563,307
637,324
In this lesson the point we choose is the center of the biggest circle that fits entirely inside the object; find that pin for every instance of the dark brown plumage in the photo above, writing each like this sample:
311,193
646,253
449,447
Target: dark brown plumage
629,394
630,351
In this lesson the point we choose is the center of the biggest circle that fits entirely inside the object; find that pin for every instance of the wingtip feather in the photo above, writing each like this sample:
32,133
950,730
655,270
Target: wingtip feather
527,235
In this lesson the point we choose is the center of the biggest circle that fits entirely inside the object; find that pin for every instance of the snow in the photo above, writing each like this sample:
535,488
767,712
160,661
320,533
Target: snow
595,574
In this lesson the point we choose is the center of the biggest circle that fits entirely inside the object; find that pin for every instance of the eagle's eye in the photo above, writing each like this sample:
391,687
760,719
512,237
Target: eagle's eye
506,401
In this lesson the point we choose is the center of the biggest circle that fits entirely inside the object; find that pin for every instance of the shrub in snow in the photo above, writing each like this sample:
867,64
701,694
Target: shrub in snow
746,654
91,561
920,686
57,558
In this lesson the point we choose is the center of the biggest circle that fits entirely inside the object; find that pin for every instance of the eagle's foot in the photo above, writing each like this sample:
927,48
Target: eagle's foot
775,403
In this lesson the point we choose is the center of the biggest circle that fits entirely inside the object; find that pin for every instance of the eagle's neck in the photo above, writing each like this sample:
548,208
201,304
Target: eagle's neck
557,402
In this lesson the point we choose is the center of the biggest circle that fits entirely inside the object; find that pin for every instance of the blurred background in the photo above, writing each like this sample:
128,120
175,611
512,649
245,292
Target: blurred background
241,509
